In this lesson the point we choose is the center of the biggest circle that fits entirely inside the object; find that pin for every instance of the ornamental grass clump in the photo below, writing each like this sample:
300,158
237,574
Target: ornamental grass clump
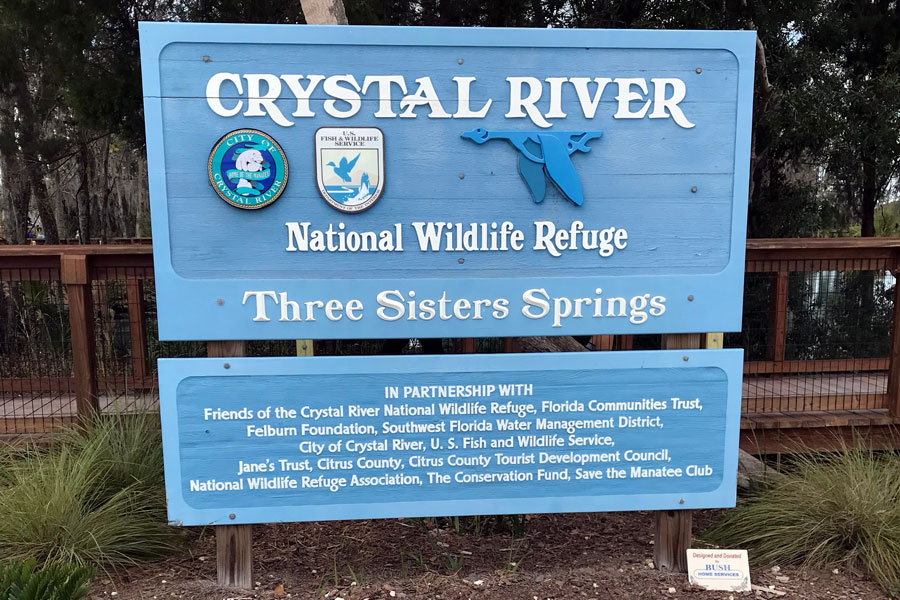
94,498
839,509
130,446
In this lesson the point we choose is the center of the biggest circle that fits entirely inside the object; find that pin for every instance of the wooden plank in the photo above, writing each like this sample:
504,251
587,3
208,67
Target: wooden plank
75,250
755,246
134,290
788,440
817,419
853,253
798,244
762,254
673,527
816,366
234,543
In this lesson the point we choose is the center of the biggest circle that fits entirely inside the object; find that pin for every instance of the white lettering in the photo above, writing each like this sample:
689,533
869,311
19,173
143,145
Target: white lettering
517,102
259,104
589,105
385,110
425,94
462,93
302,93
340,93
214,90
626,97
662,104
260,303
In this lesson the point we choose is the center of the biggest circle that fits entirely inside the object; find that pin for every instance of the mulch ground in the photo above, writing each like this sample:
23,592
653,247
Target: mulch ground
596,555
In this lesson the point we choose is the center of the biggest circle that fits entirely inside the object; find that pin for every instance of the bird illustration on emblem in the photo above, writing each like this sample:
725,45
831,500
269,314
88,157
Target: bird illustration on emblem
343,168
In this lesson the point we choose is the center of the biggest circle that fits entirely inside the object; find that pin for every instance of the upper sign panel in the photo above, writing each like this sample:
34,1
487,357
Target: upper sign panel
424,182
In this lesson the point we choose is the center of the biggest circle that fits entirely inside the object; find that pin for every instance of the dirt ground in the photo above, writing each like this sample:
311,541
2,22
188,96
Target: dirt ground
596,555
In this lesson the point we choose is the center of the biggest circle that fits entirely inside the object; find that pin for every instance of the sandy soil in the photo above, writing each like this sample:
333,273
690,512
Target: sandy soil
596,555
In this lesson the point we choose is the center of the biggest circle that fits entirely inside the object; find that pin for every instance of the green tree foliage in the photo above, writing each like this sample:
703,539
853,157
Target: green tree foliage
857,84
825,146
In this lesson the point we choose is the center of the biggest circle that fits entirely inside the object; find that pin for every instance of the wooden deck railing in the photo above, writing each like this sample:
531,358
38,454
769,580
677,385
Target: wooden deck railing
782,383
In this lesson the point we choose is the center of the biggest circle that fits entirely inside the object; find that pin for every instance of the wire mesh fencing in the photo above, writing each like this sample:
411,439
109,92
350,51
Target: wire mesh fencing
817,336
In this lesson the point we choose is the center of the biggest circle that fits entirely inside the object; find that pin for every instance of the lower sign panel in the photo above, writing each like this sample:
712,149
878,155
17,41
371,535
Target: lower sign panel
252,440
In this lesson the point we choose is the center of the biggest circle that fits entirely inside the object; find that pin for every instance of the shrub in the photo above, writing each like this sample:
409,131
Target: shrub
837,509
93,498
21,581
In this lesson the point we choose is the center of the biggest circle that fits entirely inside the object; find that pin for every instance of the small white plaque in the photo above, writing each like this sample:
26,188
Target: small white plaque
719,569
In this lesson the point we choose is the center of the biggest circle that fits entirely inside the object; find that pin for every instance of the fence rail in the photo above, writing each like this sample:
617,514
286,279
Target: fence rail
821,337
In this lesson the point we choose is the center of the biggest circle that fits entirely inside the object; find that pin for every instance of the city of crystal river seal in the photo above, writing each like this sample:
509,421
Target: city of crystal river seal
248,168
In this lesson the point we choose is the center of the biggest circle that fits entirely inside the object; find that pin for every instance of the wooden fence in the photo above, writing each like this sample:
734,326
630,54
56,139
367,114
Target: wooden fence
821,337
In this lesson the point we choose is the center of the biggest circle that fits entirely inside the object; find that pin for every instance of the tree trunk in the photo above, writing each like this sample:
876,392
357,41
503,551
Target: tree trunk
83,193
764,90
13,182
869,200
563,343
324,12
18,197
41,198
540,20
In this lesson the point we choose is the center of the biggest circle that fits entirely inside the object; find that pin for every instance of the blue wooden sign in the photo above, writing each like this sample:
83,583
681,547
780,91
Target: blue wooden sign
352,182
250,440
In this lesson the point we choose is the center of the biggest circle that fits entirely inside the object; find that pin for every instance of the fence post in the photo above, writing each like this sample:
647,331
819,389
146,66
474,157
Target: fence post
779,318
673,527
134,289
603,342
893,386
234,543
75,274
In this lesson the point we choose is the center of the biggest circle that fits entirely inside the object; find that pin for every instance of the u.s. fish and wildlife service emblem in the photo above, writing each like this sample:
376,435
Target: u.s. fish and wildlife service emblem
248,168
350,166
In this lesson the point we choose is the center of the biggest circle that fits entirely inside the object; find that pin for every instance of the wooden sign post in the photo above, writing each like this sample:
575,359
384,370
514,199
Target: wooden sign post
234,543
